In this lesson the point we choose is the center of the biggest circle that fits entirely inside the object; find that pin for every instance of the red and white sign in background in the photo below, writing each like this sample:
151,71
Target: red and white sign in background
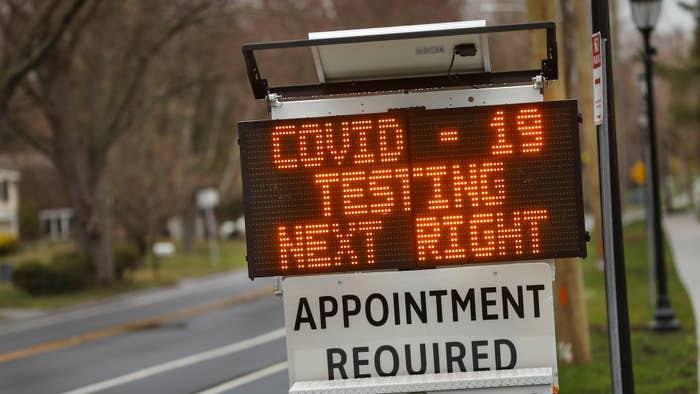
597,80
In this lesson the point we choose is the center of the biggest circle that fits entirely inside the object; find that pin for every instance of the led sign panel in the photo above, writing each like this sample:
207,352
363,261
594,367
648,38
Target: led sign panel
412,188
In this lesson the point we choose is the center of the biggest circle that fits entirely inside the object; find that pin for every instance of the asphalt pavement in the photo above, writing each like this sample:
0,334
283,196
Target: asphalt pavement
213,335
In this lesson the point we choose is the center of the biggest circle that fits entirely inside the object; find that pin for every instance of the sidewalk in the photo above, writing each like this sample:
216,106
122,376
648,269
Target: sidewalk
683,233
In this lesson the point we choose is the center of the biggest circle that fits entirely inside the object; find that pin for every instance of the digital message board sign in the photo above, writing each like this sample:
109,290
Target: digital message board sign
412,188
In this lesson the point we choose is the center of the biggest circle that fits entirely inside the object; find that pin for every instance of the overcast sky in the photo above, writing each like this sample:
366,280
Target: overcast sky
672,17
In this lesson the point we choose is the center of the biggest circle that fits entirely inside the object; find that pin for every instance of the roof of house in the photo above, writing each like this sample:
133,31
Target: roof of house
10,175
39,181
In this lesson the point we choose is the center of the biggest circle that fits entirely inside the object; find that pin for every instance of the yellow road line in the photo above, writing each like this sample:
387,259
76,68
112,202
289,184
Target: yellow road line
92,336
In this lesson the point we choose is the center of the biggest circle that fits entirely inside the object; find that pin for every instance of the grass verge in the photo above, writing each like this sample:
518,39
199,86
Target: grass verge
181,265
663,363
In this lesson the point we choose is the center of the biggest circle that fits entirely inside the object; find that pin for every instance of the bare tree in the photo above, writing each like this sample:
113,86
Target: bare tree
570,311
28,33
683,108
88,91
148,182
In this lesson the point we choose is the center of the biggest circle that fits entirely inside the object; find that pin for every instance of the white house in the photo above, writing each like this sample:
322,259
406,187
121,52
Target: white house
9,202
56,223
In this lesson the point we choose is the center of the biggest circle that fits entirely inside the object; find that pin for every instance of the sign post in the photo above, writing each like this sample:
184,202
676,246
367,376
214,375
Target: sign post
614,254
207,200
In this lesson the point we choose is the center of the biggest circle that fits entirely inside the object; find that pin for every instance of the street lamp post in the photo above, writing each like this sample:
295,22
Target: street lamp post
645,14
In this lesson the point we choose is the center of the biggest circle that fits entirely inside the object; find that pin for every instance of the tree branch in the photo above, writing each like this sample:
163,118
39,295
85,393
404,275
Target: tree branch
16,72
43,105
14,127
143,60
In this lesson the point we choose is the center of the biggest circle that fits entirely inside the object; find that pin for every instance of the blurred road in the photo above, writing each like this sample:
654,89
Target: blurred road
214,335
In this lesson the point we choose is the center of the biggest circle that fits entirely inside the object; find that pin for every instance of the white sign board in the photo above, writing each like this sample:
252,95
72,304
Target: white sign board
207,198
458,319
597,79
163,249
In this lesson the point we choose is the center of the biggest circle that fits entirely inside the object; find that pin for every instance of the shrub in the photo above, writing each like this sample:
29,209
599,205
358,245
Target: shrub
71,271
29,224
75,258
126,258
67,272
8,244
32,276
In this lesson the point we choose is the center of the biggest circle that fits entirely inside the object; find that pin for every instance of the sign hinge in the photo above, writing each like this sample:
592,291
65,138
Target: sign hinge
273,100
278,286
539,82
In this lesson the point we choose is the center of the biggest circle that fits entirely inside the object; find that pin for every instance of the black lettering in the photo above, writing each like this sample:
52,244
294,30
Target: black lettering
438,294
325,313
422,313
436,357
513,355
357,362
347,312
476,356
304,307
508,299
340,365
458,358
397,312
368,309
394,360
409,362
485,303
535,289
463,303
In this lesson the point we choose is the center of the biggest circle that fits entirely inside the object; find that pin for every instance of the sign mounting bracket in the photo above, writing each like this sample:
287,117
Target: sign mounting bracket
261,88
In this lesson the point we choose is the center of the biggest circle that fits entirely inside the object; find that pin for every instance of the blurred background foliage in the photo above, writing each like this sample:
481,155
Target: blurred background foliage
121,111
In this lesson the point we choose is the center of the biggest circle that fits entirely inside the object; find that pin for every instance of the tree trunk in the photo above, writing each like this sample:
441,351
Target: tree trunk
93,227
688,170
573,339
584,93
189,227
666,173
89,199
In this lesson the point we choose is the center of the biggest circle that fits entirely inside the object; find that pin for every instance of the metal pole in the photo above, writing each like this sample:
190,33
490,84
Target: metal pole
211,230
664,316
614,256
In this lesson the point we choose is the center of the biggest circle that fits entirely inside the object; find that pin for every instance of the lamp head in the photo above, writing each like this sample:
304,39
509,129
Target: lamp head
645,13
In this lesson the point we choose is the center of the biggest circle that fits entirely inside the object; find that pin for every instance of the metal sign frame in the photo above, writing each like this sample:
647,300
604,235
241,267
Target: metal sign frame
548,71
261,89
269,210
